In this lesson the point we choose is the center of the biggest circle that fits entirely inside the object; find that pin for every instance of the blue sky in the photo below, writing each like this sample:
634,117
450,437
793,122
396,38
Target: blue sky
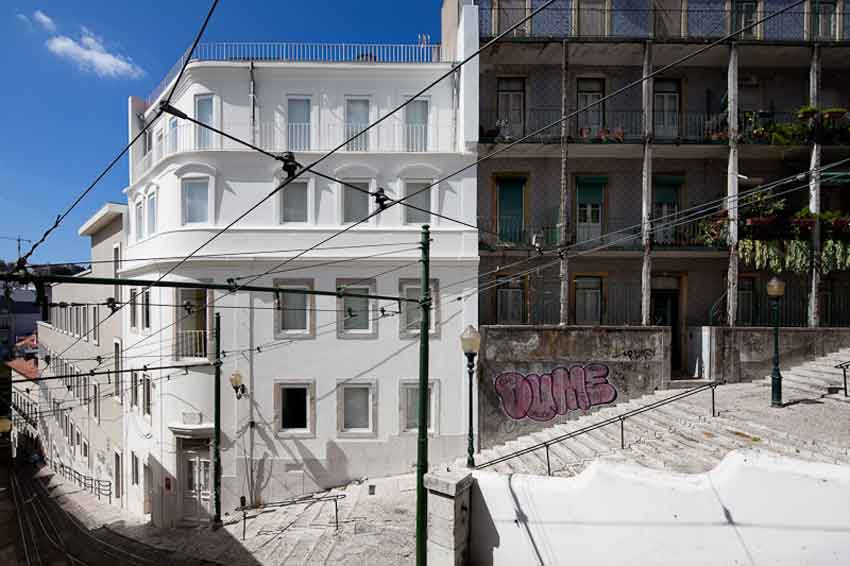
70,67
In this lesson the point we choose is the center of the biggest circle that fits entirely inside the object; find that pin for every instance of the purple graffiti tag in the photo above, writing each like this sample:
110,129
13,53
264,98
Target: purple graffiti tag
541,397
515,393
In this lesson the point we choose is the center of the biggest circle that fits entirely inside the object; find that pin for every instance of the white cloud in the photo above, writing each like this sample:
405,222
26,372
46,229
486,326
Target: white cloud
25,20
91,56
44,20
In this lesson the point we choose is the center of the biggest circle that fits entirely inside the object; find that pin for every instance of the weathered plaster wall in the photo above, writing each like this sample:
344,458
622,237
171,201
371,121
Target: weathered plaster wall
532,377
746,353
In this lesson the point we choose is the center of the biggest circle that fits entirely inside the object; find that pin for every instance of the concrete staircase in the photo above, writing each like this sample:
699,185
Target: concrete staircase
683,436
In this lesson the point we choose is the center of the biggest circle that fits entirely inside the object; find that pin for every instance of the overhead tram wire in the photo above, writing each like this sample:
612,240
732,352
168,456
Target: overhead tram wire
493,41
107,372
22,261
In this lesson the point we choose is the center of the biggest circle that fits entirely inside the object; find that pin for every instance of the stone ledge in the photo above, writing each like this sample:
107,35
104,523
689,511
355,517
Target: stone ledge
448,483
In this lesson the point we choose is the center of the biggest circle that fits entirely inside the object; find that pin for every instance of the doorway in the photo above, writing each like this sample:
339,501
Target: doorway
665,312
195,481
117,477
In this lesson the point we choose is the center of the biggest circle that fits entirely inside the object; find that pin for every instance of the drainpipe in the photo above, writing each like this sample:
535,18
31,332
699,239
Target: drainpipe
252,102
455,101
251,437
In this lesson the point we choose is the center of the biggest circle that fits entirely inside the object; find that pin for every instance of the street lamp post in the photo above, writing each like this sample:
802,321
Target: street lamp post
775,290
470,341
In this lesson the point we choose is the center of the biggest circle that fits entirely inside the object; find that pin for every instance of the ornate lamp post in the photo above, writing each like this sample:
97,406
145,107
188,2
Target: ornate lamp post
470,341
775,290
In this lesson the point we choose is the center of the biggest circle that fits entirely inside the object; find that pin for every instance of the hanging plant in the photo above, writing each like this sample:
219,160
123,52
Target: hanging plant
807,112
797,256
712,232
831,256
834,113
746,251
774,257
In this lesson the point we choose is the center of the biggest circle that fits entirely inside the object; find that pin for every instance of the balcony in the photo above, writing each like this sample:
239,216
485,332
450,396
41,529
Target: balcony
662,25
513,232
361,53
191,344
393,136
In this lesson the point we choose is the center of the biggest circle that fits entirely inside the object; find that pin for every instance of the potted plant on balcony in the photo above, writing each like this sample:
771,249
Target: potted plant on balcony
584,134
619,134
712,232
762,215
834,113
802,224
604,135
807,112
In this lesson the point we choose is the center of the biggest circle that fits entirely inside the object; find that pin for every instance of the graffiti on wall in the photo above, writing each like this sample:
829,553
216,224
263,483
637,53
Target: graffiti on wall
542,397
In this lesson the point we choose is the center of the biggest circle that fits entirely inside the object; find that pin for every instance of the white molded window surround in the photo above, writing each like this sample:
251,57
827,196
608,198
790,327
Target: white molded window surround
356,120
146,394
146,309
204,113
133,308
355,202
422,200
416,125
411,314
151,206
294,314
95,320
295,407
409,409
140,219
172,135
116,267
295,203
356,409
196,200
118,390
356,315
298,123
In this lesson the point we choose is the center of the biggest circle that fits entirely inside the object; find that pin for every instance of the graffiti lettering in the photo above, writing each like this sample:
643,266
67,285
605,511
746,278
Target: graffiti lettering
543,397
645,354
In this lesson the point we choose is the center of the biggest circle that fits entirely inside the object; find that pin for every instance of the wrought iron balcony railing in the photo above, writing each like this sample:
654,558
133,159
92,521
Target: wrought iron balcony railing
674,25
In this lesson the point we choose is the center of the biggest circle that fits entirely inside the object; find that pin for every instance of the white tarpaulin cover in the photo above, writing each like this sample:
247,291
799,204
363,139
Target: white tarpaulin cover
753,508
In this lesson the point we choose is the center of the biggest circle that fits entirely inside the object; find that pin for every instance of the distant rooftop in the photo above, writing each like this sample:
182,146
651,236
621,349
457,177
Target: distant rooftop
304,53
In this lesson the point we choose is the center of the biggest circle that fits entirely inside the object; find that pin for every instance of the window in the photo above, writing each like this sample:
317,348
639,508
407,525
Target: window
411,314
95,321
204,114
295,407
95,393
146,309
511,212
357,407
140,220
294,203
355,312
824,19
590,121
745,14
172,135
665,207
589,198
134,389
294,314
118,392
410,407
356,120
134,469
195,201
157,154
133,310
116,266
148,141
510,107
588,300
298,126
666,123
592,18
416,126
421,200
510,305
146,394
355,202
151,200
85,449
84,315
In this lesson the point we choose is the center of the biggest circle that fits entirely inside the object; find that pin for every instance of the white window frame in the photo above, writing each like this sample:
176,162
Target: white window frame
139,218
368,139
434,425
311,216
147,395
432,207
214,141
435,319
117,366
310,386
95,395
429,141
116,267
134,468
134,313
372,331
151,195
146,309
172,142
184,200
372,430
84,322
309,99
310,331
134,388
371,186
95,329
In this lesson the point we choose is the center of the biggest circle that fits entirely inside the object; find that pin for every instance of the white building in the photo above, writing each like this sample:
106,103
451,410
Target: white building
329,397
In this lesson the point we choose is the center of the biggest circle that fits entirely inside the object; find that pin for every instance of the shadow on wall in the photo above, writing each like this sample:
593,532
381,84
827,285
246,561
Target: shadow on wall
483,534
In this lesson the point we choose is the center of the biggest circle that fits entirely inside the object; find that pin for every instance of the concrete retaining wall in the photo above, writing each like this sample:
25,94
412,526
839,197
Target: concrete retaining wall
532,377
746,353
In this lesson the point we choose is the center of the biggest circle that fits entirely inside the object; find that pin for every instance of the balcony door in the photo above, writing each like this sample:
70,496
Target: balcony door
665,207
508,13
667,16
204,114
744,13
511,107
592,120
589,199
592,16
298,125
511,211
191,323
667,100
824,20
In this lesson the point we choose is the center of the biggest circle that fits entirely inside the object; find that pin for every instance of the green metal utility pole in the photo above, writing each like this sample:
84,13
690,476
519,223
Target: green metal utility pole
216,523
424,416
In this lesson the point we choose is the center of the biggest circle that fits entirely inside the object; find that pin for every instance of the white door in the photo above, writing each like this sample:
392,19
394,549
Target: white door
664,213
589,225
666,114
196,471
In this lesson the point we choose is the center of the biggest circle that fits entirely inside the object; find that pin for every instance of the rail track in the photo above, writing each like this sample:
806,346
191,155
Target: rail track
50,535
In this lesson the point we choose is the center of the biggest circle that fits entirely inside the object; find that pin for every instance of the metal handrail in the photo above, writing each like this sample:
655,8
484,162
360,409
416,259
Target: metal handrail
96,486
618,418
843,367
294,501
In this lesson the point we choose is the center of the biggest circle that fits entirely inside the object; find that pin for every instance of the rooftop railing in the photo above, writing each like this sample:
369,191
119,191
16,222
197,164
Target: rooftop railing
367,53
672,25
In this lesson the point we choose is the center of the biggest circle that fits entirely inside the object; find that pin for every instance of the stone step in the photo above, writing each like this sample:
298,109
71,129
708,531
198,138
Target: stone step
815,376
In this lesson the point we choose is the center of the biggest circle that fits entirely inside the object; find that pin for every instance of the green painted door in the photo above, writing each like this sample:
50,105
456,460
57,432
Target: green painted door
511,209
